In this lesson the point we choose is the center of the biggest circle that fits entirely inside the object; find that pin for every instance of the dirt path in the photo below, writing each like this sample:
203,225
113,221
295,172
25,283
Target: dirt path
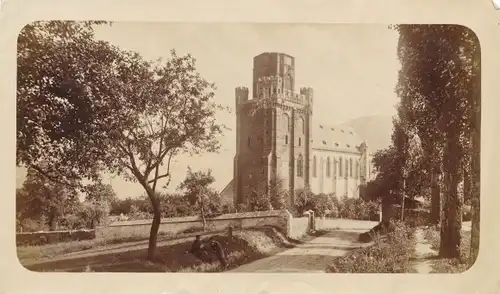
312,256
423,253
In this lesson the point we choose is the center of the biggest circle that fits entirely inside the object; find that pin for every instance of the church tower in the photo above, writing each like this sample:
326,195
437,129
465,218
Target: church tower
273,129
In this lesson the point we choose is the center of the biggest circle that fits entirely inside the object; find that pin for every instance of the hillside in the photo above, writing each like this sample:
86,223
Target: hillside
376,130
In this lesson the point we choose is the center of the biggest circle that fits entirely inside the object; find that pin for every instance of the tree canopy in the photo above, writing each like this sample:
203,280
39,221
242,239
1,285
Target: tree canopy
86,106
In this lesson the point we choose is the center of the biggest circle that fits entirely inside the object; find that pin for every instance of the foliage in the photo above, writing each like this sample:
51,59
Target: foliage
64,83
439,88
278,193
450,265
44,201
198,193
356,208
194,183
304,200
76,94
390,254
267,196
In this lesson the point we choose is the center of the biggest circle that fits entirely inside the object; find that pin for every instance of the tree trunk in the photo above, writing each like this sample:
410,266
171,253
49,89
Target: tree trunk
155,226
435,194
467,183
202,210
450,221
403,199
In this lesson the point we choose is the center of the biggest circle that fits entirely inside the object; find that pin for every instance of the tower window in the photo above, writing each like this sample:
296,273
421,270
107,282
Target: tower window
286,139
286,119
357,169
299,141
248,141
300,166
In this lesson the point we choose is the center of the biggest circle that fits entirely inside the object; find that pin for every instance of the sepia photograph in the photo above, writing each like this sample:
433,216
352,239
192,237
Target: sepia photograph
247,147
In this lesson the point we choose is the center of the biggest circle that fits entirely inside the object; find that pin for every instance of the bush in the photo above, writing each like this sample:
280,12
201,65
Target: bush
305,200
31,225
357,208
389,254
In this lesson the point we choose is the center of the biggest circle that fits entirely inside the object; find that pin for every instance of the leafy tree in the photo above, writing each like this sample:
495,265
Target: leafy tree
269,195
65,81
439,77
96,206
76,94
45,200
196,187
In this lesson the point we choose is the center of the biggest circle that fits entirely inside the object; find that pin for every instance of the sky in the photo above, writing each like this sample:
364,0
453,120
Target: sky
351,67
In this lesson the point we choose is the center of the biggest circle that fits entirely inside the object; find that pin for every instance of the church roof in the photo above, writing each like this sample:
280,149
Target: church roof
335,138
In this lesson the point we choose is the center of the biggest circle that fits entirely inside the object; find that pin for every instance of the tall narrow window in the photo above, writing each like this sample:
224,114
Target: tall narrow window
314,167
286,121
286,139
350,167
328,167
341,171
335,167
357,169
300,167
300,142
302,125
248,141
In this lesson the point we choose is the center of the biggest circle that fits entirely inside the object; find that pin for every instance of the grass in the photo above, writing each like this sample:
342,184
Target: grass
244,247
390,253
449,265
53,250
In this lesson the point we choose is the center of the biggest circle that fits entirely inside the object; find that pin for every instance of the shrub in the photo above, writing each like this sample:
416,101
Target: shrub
389,254
305,200
357,208
31,225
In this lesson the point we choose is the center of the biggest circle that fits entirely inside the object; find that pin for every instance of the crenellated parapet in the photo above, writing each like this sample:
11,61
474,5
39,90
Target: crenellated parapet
271,87
241,95
308,93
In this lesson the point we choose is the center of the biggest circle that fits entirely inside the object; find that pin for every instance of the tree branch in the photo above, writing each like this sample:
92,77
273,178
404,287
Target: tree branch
52,178
159,177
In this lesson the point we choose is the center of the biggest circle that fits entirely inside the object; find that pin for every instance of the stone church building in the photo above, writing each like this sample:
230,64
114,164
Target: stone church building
277,138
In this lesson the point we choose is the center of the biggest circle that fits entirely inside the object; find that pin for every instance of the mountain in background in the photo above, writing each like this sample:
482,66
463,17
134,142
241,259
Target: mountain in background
376,130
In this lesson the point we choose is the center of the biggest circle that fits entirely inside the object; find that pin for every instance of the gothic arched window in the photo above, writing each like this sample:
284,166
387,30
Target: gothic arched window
314,167
286,120
328,167
300,166
302,125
